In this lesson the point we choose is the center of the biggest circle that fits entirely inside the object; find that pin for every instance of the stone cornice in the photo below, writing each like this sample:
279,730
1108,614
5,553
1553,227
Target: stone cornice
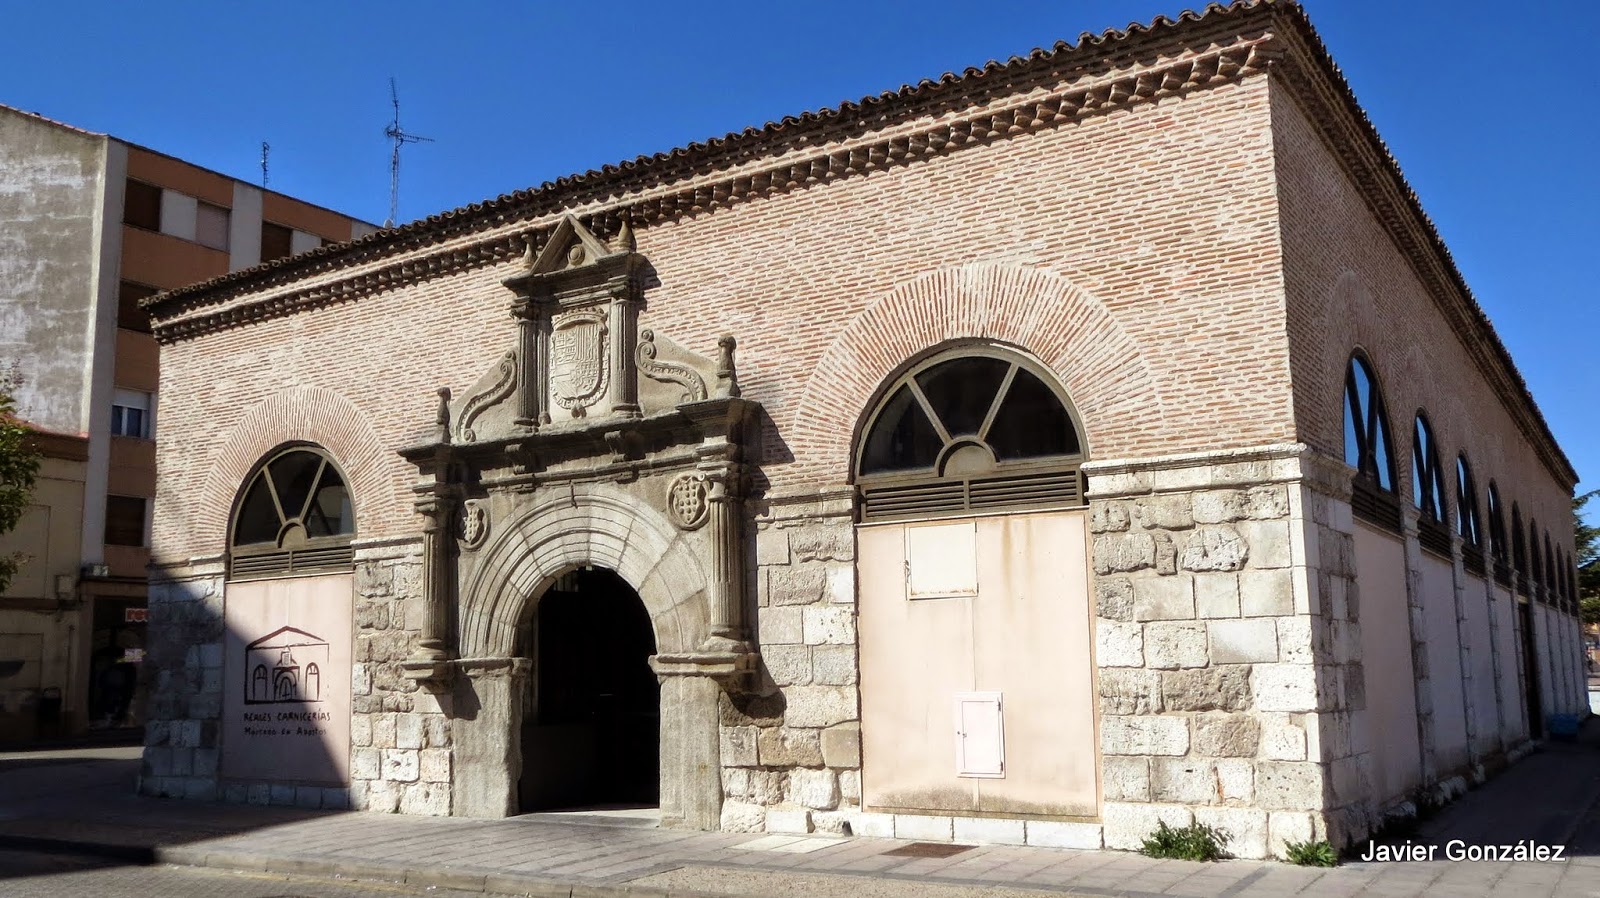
1046,90
1316,83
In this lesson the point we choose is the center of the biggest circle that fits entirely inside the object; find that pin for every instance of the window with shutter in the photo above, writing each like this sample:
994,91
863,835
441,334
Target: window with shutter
971,430
295,515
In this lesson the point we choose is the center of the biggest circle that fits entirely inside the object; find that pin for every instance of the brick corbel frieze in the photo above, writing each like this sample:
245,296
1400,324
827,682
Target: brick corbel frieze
1032,112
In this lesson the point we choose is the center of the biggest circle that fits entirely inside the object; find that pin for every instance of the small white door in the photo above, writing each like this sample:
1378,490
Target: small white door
980,735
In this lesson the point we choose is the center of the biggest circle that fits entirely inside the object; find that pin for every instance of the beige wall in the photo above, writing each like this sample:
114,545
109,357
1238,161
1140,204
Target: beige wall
1481,664
1443,642
1025,634
31,630
1389,723
1514,716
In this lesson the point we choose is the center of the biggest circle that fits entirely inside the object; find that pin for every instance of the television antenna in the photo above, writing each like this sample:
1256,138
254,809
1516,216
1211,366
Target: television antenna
395,133
265,147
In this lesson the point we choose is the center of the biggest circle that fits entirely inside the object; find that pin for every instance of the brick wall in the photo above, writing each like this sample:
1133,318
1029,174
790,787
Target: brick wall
1159,217
1347,286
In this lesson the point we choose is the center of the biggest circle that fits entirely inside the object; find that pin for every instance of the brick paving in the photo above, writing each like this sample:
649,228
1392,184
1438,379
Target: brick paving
84,802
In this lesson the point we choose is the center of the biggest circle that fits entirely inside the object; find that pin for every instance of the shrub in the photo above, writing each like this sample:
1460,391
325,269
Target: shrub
1310,854
1195,842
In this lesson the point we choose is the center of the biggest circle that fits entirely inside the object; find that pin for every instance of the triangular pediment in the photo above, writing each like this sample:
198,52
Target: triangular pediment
571,245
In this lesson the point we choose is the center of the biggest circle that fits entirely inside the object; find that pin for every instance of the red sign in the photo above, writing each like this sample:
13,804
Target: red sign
135,615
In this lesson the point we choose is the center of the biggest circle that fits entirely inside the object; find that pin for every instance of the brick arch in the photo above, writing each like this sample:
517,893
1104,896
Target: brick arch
599,525
302,414
1073,333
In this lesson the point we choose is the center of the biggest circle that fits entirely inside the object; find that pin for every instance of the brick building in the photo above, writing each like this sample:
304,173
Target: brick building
89,226
1094,439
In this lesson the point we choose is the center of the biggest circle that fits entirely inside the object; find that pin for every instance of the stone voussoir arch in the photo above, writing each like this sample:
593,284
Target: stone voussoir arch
1073,333
300,415
596,525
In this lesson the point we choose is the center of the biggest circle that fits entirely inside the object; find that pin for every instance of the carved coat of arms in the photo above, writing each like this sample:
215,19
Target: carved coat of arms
578,362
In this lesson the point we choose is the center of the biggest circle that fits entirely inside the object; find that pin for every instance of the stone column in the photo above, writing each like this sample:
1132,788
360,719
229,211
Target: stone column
727,565
541,366
488,742
624,338
436,578
691,769
529,396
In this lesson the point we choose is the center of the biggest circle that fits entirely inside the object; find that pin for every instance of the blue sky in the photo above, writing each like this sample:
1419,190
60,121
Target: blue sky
1491,109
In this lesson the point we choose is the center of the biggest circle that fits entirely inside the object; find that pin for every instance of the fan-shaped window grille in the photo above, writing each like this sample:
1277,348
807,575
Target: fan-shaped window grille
982,430
1367,446
294,517
1427,488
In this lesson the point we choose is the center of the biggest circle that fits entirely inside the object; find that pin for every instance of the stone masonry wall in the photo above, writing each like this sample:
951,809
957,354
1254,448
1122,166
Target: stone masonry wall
184,677
400,747
791,752
1204,646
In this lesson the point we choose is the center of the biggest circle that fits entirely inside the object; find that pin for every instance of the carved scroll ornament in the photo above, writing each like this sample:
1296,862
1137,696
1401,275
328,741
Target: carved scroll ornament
505,380
666,372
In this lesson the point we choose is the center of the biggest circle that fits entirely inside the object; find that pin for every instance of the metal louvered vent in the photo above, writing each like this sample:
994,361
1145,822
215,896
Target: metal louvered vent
291,562
1434,536
1058,488
1374,506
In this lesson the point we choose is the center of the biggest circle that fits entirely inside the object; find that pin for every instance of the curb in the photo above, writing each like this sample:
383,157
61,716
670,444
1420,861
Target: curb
463,880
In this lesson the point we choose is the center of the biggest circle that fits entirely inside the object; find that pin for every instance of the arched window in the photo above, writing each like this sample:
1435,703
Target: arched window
1535,574
1499,545
1552,595
294,516
1519,550
1427,488
1367,446
1561,579
975,429
1467,521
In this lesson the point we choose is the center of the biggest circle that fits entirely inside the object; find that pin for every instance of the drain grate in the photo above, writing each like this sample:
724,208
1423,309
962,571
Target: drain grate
927,849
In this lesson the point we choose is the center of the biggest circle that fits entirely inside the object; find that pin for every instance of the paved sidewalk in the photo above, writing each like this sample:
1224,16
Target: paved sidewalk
81,801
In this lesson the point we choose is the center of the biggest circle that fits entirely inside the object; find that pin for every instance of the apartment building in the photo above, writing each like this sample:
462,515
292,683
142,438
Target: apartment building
89,226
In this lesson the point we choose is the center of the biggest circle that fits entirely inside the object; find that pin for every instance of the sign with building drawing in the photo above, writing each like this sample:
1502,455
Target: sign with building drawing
287,666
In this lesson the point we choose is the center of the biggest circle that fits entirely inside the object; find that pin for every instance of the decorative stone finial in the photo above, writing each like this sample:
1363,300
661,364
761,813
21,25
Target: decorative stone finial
528,255
625,239
441,423
727,377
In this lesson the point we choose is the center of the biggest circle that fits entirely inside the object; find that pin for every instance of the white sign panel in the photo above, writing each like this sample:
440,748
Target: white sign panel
286,680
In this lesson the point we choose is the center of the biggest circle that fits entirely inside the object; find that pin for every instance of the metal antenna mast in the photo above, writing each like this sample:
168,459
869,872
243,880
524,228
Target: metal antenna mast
400,138
264,148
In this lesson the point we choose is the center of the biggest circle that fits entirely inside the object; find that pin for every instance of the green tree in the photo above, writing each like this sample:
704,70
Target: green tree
1586,541
19,462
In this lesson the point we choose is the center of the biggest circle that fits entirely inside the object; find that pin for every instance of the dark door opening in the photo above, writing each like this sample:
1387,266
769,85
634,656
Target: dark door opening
591,734
1530,672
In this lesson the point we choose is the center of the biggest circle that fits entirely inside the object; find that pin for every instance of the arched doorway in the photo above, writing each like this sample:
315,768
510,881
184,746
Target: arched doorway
591,729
